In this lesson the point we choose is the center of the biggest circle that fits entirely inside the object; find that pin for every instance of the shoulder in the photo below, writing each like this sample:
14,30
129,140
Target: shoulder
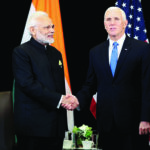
103,44
100,47
137,43
53,50
22,47
22,51
140,47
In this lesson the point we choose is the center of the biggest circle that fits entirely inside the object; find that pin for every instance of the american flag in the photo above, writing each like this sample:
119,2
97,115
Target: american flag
136,25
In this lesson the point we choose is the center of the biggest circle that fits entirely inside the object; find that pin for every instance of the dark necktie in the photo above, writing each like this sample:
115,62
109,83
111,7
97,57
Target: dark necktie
114,58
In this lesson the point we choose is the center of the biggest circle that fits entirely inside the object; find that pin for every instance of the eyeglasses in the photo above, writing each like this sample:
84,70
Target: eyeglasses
48,27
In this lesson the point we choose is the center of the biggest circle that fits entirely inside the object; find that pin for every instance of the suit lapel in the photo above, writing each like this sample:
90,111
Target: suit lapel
124,52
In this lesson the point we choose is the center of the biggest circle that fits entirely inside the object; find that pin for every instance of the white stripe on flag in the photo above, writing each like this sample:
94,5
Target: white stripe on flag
26,36
70,114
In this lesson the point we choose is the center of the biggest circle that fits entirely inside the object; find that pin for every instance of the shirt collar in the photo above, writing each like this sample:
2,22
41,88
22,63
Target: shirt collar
38,45
120,41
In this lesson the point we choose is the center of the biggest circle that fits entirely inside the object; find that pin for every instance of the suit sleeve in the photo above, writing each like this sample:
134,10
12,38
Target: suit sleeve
145,111
26,80
89,88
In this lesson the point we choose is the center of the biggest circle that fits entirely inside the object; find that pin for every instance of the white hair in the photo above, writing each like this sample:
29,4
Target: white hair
116,8
32,20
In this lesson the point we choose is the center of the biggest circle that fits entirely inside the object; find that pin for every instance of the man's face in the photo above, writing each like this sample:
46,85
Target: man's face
114,24
44,30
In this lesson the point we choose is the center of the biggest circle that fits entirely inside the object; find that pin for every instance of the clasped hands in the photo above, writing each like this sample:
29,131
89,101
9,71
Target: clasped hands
144,127
69,102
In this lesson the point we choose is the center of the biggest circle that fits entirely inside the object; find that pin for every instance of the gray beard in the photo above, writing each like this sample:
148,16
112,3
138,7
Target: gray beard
46,41
41,38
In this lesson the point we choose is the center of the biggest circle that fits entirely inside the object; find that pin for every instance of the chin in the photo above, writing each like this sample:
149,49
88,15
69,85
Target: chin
50,41
112,35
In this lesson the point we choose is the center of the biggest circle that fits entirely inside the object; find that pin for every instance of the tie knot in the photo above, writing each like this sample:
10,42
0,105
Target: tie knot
115,44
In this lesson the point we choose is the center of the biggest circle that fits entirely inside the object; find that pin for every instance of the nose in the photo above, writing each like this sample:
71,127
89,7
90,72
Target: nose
112,21
51,30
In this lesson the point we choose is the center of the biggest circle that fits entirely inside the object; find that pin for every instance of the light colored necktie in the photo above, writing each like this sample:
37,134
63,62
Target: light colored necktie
114,58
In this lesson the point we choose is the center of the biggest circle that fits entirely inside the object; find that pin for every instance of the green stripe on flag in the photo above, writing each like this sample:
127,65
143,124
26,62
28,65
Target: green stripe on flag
13,98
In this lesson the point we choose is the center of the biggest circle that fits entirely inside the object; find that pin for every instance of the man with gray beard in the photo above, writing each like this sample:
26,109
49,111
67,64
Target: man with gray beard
40,121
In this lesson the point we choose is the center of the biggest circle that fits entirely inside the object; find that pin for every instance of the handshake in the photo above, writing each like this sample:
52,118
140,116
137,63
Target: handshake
69,102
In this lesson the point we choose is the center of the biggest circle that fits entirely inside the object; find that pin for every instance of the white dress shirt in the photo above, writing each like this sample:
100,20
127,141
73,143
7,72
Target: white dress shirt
120,42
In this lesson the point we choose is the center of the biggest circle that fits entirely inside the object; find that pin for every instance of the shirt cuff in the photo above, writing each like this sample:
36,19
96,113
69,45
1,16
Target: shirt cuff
78,108
58,106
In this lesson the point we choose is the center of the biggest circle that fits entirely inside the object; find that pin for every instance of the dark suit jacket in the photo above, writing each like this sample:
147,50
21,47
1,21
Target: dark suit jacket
39,84
122,100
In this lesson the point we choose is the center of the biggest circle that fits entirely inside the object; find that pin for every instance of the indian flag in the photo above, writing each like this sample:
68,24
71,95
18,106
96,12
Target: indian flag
52,8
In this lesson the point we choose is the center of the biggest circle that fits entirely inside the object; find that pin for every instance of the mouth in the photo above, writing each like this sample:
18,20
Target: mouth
112,28
50,36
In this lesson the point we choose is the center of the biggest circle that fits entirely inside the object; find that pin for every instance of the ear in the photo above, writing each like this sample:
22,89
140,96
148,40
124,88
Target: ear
32,30
125,23
104,25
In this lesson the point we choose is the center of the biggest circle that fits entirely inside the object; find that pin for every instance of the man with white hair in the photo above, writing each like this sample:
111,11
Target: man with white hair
119,71
40,121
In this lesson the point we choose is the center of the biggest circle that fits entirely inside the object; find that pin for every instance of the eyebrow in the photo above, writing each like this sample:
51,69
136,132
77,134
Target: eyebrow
109,18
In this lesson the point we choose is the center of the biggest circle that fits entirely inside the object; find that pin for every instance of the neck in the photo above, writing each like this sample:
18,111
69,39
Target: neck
116,37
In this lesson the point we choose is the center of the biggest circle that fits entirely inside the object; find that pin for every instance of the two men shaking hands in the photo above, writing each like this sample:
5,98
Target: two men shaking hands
69,102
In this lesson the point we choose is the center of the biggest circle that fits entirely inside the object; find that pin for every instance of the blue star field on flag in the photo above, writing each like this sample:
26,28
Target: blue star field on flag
136,25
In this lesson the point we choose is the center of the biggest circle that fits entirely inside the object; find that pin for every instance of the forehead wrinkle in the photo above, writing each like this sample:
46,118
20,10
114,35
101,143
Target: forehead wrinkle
45,21
109,14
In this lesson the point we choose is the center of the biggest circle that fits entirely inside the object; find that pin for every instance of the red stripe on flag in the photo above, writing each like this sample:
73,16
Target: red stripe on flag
93,107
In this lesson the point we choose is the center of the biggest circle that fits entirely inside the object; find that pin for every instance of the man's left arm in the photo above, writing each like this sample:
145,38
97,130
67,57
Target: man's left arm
144,127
